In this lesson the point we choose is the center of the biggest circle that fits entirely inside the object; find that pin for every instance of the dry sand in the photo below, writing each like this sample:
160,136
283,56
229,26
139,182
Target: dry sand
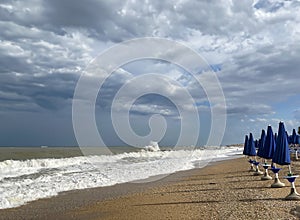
225,190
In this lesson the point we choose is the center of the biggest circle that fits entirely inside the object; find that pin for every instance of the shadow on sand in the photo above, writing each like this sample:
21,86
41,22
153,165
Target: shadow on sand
178,203
188,191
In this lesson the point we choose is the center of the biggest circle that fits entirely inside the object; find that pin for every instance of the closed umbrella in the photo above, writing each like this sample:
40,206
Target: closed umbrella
289,138
294,137
251,146
268,152
282,157
294,142
252,152
270,144
256,142
261,143
282,153
246,152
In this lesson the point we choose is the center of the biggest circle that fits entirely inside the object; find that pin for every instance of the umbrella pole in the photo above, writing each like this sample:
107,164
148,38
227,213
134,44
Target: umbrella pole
251,164
257,171
273,164
296,151
290,170
266,175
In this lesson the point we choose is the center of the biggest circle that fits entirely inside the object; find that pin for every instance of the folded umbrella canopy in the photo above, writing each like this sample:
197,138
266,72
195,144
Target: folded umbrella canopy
245,151
281,155
270,144
256,142
252,152
261,153
251,146
261,143
289,138
294,138
294,142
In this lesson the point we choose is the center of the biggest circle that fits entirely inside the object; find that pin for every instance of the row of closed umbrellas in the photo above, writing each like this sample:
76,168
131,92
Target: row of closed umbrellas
275,148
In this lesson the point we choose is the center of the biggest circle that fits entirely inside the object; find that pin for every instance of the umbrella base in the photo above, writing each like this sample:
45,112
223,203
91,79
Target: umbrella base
266,177
277,184
293,195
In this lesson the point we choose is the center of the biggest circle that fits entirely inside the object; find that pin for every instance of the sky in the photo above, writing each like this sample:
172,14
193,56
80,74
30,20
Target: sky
253,48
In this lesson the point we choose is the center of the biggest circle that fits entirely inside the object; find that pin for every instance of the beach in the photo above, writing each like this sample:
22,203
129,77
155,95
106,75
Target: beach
222,190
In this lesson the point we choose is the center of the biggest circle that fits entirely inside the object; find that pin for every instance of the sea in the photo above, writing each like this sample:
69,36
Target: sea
32,173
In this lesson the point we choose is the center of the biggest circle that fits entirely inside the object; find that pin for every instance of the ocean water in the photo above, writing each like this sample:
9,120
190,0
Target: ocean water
23,180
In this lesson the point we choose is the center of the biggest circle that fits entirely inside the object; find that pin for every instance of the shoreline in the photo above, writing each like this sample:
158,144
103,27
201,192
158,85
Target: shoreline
178,190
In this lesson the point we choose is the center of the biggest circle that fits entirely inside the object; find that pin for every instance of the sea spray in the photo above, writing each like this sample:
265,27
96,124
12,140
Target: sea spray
153,146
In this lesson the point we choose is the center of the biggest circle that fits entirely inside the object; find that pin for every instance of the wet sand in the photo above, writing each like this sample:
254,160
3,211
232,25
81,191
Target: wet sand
224,190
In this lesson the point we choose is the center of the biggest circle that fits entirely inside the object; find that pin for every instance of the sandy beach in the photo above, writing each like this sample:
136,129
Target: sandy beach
224,190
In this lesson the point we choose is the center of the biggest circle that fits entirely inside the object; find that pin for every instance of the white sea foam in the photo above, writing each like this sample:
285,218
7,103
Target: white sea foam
153,146
24,181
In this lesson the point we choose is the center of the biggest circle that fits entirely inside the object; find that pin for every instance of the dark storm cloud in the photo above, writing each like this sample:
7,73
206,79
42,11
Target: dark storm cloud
95,16
38,66
49,92
103,20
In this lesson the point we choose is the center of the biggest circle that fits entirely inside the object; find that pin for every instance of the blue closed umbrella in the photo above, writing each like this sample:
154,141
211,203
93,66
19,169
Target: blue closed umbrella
282,153
251,146
245,151
256,142
261,143
270,144
294,137
298,139
289,138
